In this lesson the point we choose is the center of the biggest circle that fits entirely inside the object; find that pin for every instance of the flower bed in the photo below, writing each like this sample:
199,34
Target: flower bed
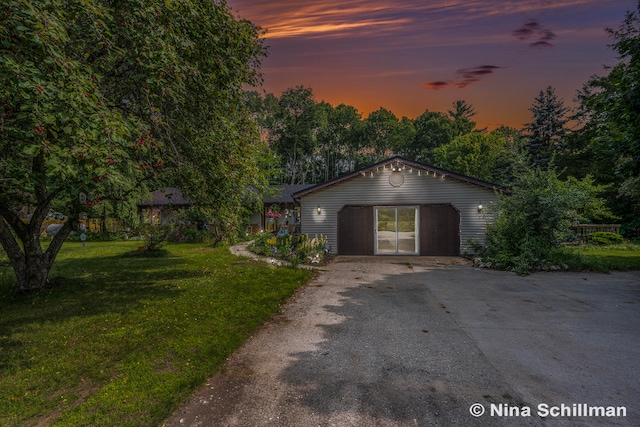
295,248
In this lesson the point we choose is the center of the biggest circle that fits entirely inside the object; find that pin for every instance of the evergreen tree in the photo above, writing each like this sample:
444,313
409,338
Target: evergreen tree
461,115
547,131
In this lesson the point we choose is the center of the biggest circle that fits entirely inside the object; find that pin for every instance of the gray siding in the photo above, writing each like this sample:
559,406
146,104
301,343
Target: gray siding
418,188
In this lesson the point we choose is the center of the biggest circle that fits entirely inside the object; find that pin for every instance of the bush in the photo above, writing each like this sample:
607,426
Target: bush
260,244
604,238
537,216
155,236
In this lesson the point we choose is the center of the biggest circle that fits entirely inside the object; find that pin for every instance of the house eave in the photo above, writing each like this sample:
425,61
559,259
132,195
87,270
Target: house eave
398,160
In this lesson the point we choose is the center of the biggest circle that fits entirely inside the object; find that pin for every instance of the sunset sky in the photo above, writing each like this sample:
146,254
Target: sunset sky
409,56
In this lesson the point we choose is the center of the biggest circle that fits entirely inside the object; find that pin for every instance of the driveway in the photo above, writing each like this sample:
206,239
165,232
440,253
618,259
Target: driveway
416,341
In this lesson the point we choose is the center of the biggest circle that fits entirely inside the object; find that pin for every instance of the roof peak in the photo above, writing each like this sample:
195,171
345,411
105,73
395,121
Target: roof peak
406,162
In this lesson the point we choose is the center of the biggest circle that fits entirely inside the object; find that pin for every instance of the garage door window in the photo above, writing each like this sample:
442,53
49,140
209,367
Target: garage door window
397,230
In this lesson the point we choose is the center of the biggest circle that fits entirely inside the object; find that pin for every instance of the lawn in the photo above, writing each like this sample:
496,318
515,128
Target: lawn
602,258
127,338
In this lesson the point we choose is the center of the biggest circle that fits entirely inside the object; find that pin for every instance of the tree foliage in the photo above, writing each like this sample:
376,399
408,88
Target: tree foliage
536,216
482,155
547,131
107,98
610,107
432,130
316,141
461,115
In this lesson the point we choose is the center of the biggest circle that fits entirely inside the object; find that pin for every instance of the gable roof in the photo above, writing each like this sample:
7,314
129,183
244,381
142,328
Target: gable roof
165,196
401,161
283,193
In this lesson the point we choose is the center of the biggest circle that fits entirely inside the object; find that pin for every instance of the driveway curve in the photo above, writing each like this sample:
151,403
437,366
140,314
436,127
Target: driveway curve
416,341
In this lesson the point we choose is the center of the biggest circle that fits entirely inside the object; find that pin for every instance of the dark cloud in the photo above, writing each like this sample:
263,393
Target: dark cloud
436,85
532,29
547,35
527,30
541,44
466,76
472,75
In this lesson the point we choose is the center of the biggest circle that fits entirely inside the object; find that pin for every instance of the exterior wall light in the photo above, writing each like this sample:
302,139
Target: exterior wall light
319,210
480,207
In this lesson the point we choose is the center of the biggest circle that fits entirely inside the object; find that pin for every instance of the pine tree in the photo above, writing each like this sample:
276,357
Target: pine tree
546,133
461,115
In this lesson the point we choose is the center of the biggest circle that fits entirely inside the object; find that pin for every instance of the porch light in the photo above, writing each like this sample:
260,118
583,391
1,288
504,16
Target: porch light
480,207
319,210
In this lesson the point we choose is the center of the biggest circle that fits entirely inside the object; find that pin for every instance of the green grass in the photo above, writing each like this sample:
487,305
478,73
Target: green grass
600,258
126,339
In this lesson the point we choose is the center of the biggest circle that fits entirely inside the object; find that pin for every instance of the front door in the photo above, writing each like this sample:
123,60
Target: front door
396,230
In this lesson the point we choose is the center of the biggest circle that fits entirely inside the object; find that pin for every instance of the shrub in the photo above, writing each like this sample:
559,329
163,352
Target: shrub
283,246
537,216
155,236
295,248
604,238
260,244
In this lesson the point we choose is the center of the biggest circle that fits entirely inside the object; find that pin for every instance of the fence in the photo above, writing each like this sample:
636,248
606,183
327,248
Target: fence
583,230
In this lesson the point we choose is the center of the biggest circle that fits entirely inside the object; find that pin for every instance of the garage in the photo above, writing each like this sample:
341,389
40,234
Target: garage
430,230
399,207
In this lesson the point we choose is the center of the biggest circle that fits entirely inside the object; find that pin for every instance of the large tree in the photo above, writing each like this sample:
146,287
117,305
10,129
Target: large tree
610,105
461,115
293,133
546,133
431,130
478,154
381,133
338,140
100,100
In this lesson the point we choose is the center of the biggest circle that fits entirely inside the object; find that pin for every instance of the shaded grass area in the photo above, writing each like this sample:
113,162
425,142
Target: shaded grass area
600,258
126,339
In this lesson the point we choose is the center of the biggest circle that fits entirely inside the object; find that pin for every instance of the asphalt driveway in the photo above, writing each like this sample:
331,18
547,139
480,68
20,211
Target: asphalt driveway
417,341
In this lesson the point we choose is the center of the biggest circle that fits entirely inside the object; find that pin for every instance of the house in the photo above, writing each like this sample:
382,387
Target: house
280,210
398,207
161,206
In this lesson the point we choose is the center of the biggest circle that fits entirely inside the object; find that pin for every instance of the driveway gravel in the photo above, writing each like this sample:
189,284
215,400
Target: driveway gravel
416,341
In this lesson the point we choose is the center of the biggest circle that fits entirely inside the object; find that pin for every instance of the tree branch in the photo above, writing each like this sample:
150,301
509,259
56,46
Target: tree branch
10,244
58,240
13,220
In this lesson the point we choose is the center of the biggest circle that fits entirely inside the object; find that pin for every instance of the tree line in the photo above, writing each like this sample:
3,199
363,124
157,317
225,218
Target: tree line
597,138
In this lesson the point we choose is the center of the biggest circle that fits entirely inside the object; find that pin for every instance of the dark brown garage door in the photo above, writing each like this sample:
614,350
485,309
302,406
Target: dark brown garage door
439,230
355,230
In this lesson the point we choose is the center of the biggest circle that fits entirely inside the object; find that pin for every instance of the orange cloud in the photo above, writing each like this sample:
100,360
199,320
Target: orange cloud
329,18
314,28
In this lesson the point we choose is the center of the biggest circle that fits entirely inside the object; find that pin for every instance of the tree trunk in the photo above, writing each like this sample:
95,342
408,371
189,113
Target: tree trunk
30,264
32,274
